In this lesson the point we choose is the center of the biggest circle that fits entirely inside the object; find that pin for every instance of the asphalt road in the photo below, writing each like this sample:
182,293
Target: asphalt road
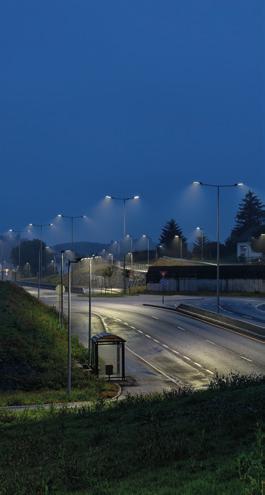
165,349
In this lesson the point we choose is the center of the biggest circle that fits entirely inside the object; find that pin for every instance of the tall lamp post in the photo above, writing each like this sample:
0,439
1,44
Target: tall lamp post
72,218
144,236
40,226
69,360
179,239
201,233
124,201
218,187
61,288
19,232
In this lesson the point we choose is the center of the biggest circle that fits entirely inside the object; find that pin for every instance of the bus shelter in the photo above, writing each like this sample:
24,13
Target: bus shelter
108,356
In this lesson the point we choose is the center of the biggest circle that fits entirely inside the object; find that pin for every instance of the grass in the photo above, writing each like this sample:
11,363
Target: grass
183,443
33,353
94,390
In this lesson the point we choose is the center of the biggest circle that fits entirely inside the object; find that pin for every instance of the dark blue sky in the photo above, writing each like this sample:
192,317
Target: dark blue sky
126,97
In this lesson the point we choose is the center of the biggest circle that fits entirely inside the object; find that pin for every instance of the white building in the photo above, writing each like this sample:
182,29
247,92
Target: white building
244,249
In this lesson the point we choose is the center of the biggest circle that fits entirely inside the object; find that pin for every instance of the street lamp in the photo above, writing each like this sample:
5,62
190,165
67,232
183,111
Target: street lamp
19,232
218,187
124,201
72,218
144,236
69,360
69,375
201,233
41,226
179,239
62,287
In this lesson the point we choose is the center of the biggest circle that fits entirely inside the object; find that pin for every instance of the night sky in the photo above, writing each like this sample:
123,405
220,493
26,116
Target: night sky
129,97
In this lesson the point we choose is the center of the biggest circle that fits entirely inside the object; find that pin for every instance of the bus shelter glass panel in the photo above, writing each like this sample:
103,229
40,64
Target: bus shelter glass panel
110,355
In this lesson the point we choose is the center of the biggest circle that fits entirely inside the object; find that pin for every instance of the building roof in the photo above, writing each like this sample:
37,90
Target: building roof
105,337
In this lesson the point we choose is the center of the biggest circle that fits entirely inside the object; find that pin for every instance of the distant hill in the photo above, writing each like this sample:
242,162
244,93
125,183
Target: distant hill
82,248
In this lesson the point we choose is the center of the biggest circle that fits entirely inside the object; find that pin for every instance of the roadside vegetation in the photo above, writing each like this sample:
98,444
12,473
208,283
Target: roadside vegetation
207,442
33,353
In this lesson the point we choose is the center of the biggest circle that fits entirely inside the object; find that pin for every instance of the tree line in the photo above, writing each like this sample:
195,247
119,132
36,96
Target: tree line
249,226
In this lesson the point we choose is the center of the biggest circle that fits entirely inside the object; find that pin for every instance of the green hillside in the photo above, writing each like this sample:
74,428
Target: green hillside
203,443
33,347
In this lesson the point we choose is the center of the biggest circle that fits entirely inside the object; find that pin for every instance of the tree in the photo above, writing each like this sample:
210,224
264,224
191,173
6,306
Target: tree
251,214
172,239
248,221
29,253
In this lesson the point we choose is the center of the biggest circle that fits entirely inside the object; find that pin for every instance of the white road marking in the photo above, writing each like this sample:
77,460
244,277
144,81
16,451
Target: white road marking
179,383
186,357
181,328
209,371
166,346
175,352
197,364
148,336
133,327
210,342
155,318
157,341
140,331
246,359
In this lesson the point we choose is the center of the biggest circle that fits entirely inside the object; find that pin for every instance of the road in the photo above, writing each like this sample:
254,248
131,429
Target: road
165,349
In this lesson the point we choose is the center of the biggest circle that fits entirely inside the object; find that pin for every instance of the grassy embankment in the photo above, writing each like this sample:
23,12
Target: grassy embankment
202,443
33,354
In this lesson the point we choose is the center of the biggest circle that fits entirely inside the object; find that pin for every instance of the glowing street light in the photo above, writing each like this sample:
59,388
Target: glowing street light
201,234
145,236
218,187
124,200
40,226
72,218
19,232
179,239
69,360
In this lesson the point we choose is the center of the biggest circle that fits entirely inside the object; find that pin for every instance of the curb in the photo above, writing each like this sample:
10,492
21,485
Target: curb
211,319
59,405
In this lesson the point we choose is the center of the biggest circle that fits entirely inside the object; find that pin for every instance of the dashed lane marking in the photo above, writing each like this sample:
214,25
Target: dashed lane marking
210,342
209,371
246,359
169,348
158,370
